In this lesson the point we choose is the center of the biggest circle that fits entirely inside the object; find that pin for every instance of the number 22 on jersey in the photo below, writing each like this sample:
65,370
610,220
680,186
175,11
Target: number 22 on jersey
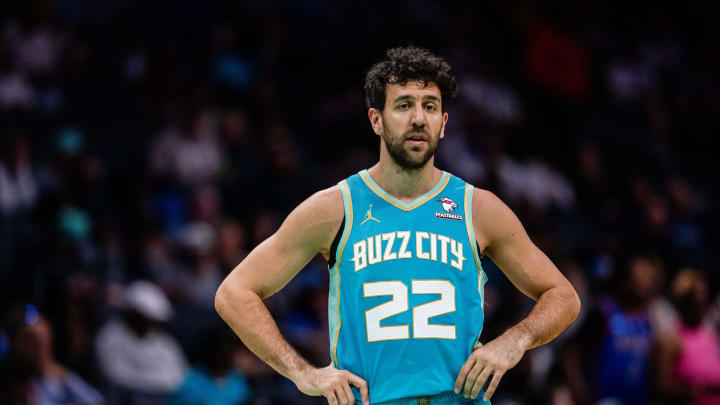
421,314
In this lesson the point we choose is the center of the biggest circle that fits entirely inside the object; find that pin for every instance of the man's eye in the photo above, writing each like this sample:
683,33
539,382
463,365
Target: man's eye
403,106
430,107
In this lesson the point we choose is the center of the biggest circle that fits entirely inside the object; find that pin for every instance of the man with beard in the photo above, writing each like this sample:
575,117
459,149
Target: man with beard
403,241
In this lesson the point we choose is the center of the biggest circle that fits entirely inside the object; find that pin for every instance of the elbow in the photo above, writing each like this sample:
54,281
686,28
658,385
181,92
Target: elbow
220,300
223,299
232,294
574,304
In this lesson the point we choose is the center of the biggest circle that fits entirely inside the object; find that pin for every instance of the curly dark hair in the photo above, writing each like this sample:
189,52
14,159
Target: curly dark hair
404,64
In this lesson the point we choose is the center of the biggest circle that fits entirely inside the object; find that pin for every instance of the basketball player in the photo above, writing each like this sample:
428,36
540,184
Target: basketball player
403,241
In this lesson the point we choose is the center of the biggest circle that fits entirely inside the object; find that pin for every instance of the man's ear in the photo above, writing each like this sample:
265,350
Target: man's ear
442,131
376,120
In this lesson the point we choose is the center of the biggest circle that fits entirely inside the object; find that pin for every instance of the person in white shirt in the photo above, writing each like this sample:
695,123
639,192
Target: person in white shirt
135,354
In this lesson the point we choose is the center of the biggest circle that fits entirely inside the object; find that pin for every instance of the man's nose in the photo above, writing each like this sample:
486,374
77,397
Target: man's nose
418,118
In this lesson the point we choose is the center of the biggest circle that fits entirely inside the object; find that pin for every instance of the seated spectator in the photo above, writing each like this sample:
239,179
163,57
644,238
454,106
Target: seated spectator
141,362
214,381
689,360
30,374
607,360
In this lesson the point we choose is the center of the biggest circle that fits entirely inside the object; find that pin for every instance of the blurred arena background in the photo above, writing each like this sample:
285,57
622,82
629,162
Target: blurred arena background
147,146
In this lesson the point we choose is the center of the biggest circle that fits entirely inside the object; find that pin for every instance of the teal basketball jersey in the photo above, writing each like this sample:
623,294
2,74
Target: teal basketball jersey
406,288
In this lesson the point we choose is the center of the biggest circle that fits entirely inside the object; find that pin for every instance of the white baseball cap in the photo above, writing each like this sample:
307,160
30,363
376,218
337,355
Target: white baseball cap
148,299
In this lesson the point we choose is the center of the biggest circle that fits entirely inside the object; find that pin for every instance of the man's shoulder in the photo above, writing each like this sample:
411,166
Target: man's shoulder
484,199
317,219
327,202
491,217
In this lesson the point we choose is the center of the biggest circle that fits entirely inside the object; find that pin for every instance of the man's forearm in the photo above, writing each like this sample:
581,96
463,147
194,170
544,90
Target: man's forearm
248,316
554,311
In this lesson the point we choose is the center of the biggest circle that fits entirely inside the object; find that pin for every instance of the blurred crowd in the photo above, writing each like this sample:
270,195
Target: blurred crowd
146,147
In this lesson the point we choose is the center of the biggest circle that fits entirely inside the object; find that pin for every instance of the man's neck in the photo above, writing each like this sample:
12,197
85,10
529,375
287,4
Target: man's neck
405,184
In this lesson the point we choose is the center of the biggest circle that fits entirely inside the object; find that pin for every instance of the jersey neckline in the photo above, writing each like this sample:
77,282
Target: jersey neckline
368,180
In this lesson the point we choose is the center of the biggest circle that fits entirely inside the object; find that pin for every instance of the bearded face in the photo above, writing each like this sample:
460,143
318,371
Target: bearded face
412,149
411,124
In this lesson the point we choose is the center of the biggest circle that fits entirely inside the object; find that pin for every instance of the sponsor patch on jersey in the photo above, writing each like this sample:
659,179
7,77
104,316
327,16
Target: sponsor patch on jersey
449,216
449,206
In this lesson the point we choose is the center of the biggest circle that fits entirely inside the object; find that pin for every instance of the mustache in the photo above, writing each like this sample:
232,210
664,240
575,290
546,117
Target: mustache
416,133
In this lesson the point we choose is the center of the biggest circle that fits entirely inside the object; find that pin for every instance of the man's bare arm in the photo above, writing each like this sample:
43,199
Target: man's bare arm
503,238
529,269
308,230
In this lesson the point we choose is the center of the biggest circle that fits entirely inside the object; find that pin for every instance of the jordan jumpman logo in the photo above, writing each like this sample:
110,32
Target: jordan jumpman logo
368,216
